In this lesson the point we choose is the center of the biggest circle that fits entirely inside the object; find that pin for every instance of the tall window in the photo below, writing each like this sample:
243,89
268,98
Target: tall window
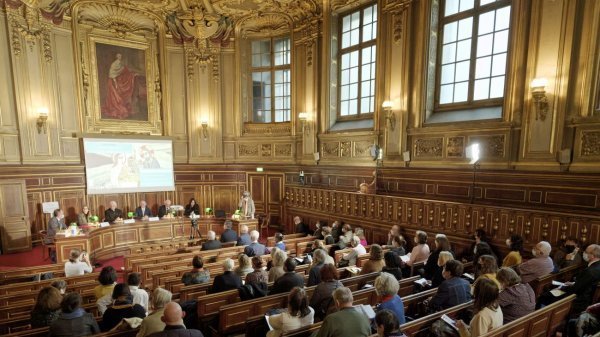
271,77
473,51
358,31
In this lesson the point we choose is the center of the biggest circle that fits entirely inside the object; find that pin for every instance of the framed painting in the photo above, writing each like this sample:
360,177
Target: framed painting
125,87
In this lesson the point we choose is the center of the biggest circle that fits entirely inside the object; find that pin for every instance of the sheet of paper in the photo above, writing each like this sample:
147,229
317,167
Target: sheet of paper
557,284
405,258
557,292
104,224
154,218
269,324
49,207
422,281
129,221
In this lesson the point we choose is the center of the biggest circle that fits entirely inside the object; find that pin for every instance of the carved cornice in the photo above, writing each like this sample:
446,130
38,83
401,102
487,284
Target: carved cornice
429,147
283,129
119,20
27,23
590,144
265,25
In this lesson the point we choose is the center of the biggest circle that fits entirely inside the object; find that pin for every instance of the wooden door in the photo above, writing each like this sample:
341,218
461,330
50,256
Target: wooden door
267,193
14,217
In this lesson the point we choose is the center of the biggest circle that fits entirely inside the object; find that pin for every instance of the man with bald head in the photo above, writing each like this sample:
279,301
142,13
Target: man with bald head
143,211
174,327
586,281
113,214
540,265
164,209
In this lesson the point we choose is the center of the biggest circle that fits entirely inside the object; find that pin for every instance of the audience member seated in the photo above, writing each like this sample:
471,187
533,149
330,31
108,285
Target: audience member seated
568,254
432,269
347,321
361,235
46,308
394,231
297,315
301,227
587,324
488,267
61,285
392,264
387,324
174,327
386,288
482,248
198,274
113,214
420,251
259,275
107,279
345,237
516,299
515,244
289,280
153,322
139,296
244,266
123,307
318,244
479,236
78,264
228,280
164,209
321,300
255,248
587,280
398,245
244,238
487,312
438,278
73,320
278,258
314,274
357,249
83,218
229,235
375,263
192,207
336,229
454,290
541,264
211,241
318,232
327,236
279,241
143,211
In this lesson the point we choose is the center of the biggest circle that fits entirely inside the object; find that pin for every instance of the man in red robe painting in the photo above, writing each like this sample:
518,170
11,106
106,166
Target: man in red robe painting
120,91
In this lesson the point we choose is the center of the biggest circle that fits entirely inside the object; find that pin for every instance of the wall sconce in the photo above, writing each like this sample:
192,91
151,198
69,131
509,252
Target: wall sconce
390,118
303,117
41,121
538,92
204,125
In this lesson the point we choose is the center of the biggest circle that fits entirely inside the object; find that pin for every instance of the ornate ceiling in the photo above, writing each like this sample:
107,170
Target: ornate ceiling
185,20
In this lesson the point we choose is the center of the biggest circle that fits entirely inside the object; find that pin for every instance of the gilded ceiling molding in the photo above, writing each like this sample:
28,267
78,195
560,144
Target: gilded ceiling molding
309,33
297,10
261,25
397,9
120,20
26,22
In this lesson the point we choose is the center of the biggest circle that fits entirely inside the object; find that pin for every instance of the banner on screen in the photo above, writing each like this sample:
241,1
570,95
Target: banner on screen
128,165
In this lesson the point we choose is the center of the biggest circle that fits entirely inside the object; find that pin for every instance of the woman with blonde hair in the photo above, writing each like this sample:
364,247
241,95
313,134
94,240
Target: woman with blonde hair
244,267
153,323
278,258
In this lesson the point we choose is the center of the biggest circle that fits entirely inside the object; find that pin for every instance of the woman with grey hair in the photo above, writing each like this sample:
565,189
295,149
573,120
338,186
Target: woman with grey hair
357,249
386,288
516,299
246,205
278,258
153,323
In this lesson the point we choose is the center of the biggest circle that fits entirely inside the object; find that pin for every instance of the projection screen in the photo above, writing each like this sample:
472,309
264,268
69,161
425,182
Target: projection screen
128,165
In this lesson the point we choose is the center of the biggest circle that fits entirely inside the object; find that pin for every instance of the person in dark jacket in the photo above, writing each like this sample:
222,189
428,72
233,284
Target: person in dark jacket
454,290
314,274
174,327
301,227
585,283
289,280
228,280
321,300
433,271
198,274
73,320
47,307
211,241
244,238
123,307
192,207
143,211
229,235
393,264
255,248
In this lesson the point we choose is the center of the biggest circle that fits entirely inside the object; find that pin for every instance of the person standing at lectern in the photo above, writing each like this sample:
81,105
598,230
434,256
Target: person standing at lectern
247,205
164,209
143,211
113,214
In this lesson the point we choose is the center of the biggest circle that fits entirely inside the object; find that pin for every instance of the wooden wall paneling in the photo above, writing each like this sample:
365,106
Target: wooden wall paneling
275,192
14,216
36,217
71,202
225,197
257,183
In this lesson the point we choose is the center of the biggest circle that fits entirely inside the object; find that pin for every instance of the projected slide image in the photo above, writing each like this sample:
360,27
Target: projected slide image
128,166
